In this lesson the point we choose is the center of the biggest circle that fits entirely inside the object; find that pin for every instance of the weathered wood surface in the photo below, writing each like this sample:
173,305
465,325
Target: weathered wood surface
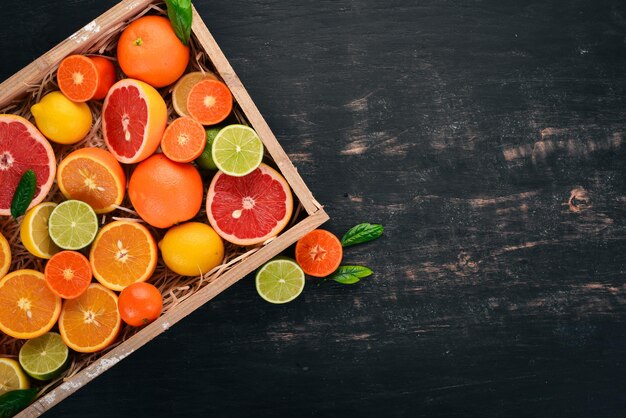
488,137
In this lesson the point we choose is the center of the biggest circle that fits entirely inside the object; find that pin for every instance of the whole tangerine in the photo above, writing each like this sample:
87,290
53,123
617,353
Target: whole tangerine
150,51
164,192
140,303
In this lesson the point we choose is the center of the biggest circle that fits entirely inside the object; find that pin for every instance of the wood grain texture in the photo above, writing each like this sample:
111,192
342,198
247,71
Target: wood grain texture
488,137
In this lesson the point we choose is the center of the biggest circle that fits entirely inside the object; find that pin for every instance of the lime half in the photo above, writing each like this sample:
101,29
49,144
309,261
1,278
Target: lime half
45,357
73,225
280,280
237,150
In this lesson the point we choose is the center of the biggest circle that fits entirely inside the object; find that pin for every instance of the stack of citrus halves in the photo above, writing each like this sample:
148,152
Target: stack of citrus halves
247,201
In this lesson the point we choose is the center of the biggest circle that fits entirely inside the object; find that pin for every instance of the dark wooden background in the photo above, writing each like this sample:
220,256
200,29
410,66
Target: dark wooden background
488,137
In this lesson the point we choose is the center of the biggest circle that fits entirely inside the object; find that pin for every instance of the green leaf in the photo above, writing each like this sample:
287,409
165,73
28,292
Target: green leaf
14,401
180,14
362,233
24,194
350,274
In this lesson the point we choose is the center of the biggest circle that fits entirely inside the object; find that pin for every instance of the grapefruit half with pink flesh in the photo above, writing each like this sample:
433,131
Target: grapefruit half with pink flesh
251,209
134,116
23,147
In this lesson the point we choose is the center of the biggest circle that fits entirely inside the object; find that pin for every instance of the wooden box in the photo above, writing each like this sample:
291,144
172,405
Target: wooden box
309,214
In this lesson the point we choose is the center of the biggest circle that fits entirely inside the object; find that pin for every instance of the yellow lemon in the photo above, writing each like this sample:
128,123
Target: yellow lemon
5,256
192,249
60,119
34,231
11,376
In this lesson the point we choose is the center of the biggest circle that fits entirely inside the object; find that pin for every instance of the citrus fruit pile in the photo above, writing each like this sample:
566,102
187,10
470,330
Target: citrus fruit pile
102,145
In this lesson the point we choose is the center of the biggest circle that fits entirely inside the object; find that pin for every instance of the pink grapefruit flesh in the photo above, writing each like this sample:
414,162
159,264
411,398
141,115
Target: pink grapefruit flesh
134,116
23,147
249,210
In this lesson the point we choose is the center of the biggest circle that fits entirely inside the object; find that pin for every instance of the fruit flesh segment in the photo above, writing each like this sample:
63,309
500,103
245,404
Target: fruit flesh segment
5,256
68,274
87,180
126,122
280,281
90,322
248,206
184,140
28,308
44,357
78,78
319,253
123,254
73,225
209,102
237,150
11,376
19,151
34,231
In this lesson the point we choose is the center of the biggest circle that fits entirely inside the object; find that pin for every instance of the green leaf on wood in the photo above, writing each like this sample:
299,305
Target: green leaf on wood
350,274
24,194
362,233
180,14
14,401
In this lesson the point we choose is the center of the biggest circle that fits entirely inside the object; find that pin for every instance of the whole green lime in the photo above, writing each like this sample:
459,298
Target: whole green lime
205,160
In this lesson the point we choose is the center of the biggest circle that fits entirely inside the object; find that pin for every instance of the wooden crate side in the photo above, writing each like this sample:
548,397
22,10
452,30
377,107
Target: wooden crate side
81,39
172,317
257,121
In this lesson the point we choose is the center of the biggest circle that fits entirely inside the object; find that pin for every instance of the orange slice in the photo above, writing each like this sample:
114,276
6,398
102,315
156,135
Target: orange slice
183,86
5,256
77,77
28,308
209,102
123,253
183,140
68,274
319,253
94,176
90,322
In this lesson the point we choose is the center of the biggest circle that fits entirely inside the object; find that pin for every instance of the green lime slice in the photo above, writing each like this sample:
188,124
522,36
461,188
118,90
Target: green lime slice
205,160
73,225
280,280
44,357
237,150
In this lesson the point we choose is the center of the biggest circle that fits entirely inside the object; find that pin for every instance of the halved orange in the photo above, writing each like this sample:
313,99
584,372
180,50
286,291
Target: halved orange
77,77
68,274
90,322
123,253
5,256
319,253
209,102
28,308
94,176
183,86
183,140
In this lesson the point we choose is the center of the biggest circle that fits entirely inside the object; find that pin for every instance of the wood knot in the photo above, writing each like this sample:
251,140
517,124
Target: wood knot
578,200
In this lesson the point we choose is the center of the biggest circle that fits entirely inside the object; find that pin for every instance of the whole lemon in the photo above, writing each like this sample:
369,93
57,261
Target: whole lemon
60,119
192,249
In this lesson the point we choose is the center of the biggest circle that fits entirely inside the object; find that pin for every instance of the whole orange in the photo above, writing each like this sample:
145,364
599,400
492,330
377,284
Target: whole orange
139,304
164,192
150,51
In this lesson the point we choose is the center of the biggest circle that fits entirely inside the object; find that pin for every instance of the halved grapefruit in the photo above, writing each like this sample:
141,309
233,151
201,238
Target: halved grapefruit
134,116
250,209
23,147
